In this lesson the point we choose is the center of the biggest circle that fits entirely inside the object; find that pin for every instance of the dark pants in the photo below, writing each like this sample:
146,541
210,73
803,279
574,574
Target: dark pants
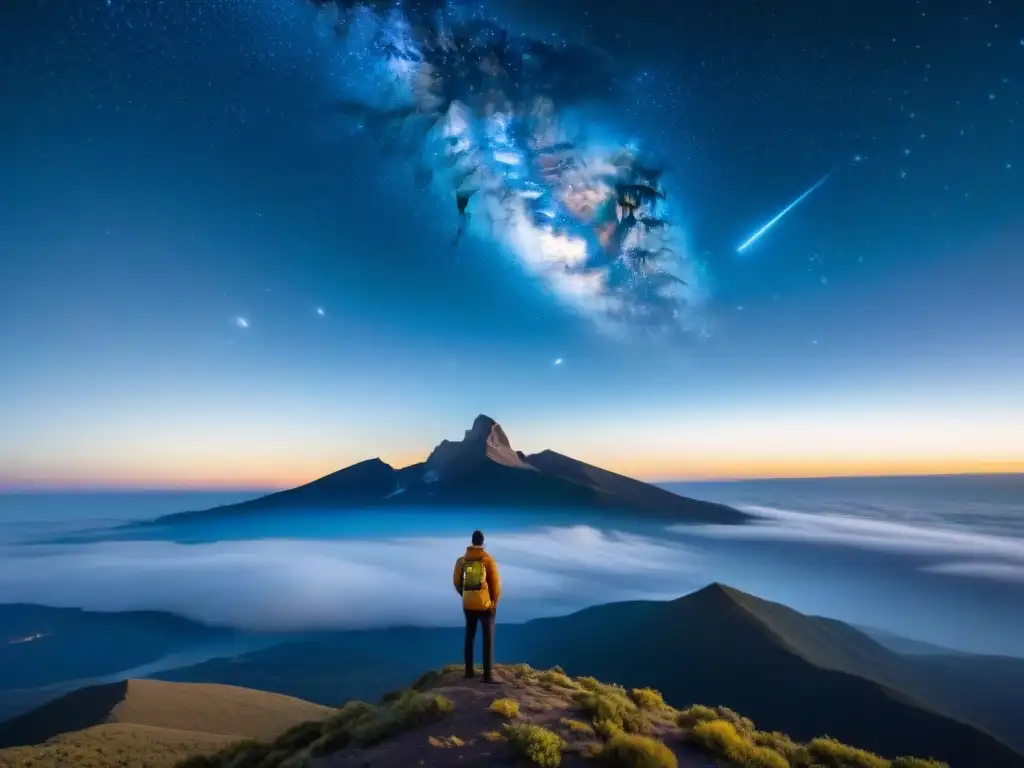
486,620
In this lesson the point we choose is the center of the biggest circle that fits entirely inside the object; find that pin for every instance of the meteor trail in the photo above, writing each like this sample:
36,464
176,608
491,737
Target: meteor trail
757,235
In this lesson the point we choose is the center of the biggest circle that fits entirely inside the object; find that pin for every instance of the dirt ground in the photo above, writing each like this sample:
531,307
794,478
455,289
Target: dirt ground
469,737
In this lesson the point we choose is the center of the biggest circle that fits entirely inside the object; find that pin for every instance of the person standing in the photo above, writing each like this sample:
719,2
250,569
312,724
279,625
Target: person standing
477,580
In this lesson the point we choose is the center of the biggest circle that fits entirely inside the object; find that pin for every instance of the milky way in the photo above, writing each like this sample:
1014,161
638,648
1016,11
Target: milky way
495,121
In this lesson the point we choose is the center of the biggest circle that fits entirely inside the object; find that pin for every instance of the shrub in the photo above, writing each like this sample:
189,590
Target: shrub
917,762
577,726
492,736
252,754
413,708
590,749
427,680
336,731
721,739
830,753
590,684
606,729
348,714
741,723
507,708
795,753
614,707
299,736
596,686
242,755
556,678
647,698
331,742
523,671
626,750
534,743
698,713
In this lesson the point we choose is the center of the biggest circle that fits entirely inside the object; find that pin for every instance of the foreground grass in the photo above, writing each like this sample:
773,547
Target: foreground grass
726,735
115,744
357,724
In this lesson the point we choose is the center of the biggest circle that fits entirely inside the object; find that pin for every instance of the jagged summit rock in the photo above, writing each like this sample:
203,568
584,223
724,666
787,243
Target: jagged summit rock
484,440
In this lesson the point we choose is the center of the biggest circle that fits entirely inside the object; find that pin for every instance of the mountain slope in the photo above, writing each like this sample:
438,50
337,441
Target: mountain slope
804,675
798,674
482,469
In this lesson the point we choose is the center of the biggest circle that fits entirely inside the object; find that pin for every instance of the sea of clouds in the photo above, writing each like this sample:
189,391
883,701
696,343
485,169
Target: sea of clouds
951,550
299,584
296,584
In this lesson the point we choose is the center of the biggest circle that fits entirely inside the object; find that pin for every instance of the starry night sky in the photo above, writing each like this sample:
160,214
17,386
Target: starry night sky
174,171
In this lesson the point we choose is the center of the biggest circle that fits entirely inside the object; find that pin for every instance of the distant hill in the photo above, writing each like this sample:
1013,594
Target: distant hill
40,645
482,469
804,675
147,722
799,674
906,645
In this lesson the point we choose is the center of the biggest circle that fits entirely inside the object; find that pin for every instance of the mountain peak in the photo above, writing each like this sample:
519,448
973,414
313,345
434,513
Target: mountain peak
487,430
483,469
718,589
726,592
719,596
484,440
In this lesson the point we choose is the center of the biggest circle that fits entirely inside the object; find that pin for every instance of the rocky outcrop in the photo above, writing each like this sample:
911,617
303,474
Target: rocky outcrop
484,440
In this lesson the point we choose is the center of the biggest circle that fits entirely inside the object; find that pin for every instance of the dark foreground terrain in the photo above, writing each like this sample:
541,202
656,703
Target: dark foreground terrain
796,674
802,675
528,717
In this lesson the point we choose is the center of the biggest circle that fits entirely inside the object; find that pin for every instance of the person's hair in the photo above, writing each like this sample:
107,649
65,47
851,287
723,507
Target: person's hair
478,538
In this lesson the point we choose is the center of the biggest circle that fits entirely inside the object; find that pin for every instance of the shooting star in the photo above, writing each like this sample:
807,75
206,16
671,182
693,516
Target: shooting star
757,235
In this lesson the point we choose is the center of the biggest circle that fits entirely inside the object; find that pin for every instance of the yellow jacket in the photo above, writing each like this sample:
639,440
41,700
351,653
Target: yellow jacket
486,598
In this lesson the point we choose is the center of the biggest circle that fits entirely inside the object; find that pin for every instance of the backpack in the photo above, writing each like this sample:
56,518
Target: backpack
474,575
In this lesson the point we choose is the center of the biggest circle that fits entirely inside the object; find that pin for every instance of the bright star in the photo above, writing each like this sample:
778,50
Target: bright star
241,322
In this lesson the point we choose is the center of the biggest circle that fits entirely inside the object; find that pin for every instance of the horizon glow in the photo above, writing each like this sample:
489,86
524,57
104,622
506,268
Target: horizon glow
745,446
